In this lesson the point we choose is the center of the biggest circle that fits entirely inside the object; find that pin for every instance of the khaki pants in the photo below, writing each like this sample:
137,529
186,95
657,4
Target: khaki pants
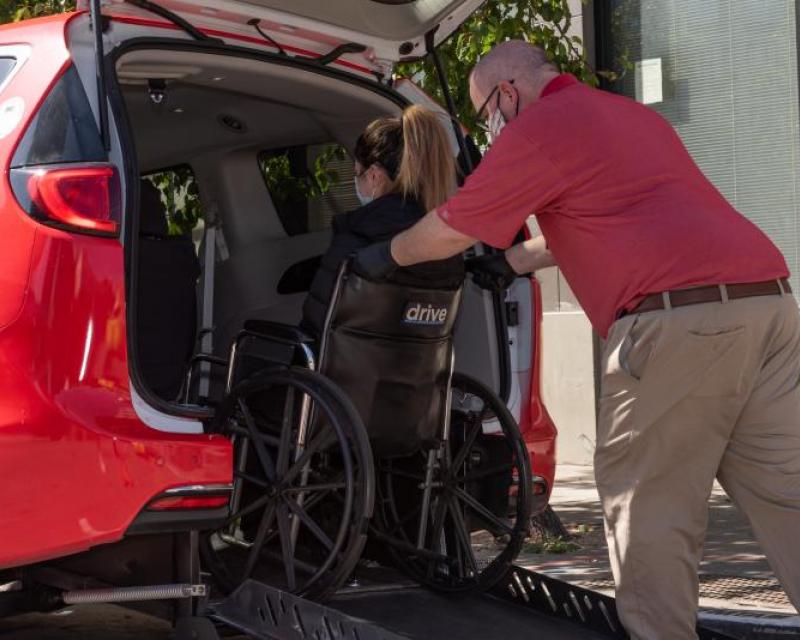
690,394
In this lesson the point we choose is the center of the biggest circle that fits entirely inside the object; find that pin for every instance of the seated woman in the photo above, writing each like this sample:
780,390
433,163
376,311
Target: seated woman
404,168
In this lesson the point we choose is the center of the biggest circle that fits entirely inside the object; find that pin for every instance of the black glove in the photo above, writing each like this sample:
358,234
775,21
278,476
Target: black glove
375,262
491,271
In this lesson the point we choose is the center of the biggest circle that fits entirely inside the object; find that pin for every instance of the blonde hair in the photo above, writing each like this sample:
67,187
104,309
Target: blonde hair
416,153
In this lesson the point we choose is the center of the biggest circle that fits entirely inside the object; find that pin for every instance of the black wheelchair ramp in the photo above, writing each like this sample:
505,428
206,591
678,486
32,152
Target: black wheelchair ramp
524,605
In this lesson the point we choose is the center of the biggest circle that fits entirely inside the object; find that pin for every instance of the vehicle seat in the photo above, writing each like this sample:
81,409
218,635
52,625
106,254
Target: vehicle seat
390,348
166,316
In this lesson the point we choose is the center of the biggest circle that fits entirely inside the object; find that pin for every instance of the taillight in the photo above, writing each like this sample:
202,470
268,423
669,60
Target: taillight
197,496
75,198
188,502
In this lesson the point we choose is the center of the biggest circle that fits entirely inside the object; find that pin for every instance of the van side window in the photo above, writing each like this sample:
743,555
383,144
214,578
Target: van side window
6,67
181,197
309,185
64,128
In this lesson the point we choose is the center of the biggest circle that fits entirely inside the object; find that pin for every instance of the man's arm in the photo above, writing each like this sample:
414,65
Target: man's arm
530,256
515,178
430,239
433,239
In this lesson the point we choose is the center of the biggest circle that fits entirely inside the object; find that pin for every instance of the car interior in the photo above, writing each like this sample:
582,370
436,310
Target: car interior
254,250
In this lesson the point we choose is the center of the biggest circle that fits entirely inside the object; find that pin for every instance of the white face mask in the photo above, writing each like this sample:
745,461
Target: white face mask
496,123
364,200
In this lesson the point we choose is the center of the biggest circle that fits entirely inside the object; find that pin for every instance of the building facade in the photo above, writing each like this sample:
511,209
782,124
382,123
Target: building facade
724,73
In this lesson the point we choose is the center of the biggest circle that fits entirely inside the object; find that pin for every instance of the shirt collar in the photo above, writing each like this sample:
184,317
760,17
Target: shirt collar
558,83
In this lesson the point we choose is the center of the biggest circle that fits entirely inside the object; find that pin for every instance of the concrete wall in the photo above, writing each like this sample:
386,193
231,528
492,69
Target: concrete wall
568,384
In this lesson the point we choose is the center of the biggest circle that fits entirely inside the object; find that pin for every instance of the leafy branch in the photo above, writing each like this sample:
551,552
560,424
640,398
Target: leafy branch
287,184
545,23
16,10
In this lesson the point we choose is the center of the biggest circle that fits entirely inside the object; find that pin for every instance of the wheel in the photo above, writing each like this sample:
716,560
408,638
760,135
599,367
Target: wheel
301,501
476,514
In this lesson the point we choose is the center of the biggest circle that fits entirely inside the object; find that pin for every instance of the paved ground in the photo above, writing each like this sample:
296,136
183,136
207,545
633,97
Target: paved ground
734,573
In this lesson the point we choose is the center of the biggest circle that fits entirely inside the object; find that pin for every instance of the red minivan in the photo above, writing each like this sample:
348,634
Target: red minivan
155,197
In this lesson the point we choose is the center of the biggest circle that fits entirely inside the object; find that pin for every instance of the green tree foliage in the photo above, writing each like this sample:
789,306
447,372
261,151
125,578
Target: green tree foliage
313,182
181,197
16,10
545,23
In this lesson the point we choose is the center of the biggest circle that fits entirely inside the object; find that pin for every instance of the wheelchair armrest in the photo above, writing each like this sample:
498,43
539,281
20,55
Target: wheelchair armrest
278,330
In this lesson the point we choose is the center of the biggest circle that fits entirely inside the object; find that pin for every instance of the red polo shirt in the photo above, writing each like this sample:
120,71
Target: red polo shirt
624,209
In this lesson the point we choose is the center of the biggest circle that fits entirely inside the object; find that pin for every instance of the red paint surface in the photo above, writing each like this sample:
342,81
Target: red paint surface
622,221
76,463
538,429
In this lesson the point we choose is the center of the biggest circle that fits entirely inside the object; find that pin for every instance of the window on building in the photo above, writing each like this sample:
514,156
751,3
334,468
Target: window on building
309,185
725,76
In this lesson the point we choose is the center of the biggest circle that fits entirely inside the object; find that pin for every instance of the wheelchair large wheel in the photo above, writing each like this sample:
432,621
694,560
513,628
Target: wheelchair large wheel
463,533
303,486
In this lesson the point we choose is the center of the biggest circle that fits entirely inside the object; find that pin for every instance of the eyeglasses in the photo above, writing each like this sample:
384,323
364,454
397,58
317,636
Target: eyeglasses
480,117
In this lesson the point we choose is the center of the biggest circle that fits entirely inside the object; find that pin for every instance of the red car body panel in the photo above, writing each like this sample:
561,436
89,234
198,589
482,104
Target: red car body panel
537,427
77,463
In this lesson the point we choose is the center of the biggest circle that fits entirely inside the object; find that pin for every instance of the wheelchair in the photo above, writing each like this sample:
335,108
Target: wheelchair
367,447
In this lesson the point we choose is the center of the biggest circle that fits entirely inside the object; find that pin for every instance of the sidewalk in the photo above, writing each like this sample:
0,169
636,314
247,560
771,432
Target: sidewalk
733,574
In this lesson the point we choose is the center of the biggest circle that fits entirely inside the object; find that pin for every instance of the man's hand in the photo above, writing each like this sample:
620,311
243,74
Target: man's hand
492,271
375,262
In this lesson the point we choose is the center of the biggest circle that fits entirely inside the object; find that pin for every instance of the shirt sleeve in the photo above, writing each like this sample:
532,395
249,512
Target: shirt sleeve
514,180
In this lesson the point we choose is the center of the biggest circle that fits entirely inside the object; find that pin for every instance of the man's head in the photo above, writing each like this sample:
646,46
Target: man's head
507,79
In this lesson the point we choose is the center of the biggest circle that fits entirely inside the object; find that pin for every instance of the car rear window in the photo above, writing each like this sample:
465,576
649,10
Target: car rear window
6,67
64,128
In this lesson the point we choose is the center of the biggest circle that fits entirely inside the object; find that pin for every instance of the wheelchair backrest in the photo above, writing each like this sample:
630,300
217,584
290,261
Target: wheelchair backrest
390,348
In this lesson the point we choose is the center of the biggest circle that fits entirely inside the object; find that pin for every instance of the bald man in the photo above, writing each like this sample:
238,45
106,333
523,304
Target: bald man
701,363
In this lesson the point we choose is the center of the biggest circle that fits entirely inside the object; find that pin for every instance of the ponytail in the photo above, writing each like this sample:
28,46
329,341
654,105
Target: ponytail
427,170
415,152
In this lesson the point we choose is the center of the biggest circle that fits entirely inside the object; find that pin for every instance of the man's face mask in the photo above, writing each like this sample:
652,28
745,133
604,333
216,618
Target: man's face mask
497,121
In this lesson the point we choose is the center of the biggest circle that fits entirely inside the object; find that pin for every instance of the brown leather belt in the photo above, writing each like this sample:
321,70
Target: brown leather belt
713,293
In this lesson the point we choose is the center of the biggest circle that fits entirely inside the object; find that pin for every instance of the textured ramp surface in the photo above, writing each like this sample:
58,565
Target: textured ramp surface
423,615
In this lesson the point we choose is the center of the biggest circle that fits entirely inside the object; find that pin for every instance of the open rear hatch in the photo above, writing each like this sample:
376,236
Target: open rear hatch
384,31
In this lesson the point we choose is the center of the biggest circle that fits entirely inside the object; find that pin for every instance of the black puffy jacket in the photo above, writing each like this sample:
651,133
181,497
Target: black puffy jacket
381,219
